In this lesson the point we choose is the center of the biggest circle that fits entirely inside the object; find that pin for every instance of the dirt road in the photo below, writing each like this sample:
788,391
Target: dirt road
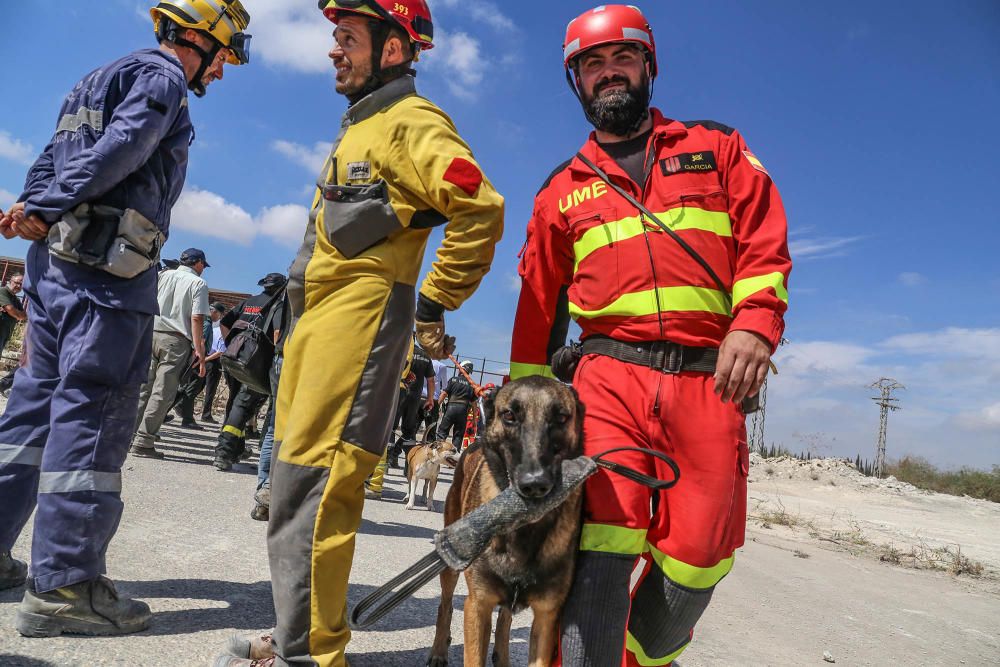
188,547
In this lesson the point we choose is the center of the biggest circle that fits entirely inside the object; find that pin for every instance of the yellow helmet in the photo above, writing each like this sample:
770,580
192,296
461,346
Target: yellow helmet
222,20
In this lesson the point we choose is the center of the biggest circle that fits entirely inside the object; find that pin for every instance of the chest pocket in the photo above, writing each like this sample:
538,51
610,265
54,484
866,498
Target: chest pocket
357,217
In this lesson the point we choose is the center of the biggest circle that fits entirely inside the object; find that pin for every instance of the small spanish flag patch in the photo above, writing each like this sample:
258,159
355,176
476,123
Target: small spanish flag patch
754,162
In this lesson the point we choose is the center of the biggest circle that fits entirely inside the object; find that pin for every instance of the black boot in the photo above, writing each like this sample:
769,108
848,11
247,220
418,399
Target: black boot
13,572
88,608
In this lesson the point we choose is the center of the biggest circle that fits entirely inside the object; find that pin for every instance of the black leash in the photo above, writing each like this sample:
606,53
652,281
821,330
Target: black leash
386,597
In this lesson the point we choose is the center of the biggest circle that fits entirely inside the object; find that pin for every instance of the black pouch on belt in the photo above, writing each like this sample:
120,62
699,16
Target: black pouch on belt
565,361
750,404
356,217
97,237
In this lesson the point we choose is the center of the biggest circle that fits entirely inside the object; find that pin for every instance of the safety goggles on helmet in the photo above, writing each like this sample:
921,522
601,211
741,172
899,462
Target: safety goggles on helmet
413,16
222,20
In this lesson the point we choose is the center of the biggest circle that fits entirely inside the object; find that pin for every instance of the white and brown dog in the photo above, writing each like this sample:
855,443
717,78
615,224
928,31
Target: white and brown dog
423,462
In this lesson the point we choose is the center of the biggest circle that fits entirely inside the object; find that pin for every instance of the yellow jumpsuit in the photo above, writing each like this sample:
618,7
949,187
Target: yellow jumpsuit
397,169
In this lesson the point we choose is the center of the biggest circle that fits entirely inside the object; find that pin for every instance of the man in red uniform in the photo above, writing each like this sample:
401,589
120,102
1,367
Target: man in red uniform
680,294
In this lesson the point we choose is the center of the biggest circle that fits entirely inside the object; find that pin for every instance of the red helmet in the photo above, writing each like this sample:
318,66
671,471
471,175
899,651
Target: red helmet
413,16
609,24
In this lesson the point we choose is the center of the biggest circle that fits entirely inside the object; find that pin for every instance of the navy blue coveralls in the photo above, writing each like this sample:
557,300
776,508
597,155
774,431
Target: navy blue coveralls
122,140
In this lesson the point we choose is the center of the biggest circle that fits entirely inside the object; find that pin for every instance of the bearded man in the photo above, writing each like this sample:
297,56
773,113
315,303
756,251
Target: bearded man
666,241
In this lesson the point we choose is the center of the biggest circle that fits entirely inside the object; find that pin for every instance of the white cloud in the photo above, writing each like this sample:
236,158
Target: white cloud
481,11
981,344
15,150
458,56
6,198
912,279
985,419
816,247
310,158
285,224
949,415
208,214
294,35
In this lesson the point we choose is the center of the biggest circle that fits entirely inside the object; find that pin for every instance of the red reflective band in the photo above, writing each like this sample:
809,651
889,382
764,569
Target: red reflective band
465,175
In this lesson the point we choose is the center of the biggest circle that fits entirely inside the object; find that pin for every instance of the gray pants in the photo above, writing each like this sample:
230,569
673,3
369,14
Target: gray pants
171,355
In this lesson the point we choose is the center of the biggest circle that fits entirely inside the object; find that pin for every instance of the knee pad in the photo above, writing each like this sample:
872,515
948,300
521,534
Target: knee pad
664,613
597,609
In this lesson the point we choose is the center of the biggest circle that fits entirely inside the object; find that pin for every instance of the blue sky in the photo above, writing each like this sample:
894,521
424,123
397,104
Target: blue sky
855,108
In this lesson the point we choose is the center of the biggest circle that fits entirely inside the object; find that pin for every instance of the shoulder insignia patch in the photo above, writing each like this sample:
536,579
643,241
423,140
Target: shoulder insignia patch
754,162
464,175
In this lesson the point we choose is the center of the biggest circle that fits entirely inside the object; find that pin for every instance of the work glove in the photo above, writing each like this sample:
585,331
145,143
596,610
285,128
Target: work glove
431,337
565,361
430,329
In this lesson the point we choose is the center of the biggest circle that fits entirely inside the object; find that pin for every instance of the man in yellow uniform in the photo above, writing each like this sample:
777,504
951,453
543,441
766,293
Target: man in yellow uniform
397,169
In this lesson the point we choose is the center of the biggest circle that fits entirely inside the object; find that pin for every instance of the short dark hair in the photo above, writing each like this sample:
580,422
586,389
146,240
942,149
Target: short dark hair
16,274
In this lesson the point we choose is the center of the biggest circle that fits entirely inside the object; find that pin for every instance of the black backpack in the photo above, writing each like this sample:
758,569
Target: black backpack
250,351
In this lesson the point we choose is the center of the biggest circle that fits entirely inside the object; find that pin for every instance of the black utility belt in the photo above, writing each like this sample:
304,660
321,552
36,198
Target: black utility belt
659,354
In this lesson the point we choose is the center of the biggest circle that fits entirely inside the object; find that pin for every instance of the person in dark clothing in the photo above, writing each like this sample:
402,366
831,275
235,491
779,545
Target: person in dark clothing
243,401
191,383
458,394
11,312
213,366
411,404
262,496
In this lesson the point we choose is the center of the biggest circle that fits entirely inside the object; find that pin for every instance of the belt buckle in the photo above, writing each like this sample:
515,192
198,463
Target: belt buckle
666,357
673,358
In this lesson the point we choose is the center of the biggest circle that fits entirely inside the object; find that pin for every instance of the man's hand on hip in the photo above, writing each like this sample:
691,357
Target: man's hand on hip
742,365
432,338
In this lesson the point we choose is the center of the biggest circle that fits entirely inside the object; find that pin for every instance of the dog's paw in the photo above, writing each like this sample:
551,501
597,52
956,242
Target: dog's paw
409,506
437,661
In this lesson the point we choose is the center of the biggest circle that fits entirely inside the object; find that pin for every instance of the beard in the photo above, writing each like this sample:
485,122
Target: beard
620,111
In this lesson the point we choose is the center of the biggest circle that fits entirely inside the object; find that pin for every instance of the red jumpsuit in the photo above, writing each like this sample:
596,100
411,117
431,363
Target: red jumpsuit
591,255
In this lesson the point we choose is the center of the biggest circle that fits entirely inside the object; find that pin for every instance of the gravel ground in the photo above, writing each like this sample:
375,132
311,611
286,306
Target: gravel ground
188,547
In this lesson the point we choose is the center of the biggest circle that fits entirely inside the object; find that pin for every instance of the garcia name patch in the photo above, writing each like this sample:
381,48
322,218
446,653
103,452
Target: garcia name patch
359,171
688,162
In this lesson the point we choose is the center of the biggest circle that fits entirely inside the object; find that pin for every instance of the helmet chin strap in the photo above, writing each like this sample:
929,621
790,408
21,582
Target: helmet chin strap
196,85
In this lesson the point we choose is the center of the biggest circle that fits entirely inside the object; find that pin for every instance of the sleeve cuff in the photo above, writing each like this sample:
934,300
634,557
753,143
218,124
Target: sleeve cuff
763,322
428,310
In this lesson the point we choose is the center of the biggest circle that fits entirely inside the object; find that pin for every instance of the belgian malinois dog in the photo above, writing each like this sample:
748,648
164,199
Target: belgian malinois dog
533,424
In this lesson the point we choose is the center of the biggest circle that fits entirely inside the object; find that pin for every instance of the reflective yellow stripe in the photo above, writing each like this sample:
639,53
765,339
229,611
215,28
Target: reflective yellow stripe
232,430
744,288
677,219
612,539
524,370
690,576
671,299
632,644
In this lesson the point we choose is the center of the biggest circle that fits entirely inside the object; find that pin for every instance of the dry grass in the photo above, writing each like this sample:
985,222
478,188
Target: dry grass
923,557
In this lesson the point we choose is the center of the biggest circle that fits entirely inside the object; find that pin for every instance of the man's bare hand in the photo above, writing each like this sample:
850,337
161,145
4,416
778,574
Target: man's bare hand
8,218
742,366
30,228
429,404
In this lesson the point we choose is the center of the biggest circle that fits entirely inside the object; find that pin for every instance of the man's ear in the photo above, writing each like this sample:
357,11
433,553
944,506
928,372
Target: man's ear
394,52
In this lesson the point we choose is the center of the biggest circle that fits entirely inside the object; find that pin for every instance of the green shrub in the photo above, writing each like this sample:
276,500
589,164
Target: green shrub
963,482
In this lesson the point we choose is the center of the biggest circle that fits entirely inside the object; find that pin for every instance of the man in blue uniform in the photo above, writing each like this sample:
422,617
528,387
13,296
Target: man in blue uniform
97,205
